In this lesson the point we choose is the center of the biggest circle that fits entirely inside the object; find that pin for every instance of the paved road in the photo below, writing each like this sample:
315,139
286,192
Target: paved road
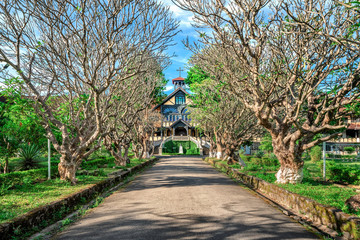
184,198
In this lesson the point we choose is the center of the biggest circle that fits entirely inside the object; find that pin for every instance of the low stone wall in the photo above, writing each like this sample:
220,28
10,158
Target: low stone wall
307,208
61,208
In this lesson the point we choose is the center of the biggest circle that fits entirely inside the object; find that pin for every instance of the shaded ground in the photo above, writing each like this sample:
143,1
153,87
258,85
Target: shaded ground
183,198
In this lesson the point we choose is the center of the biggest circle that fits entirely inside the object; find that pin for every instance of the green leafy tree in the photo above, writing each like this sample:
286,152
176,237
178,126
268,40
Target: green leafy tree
315,154
158,94
195,75
18,123
266,144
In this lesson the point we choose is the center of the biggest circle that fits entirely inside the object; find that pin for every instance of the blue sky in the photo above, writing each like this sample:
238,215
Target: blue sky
182,54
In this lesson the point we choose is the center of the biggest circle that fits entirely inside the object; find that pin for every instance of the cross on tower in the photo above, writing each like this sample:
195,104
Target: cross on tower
180,70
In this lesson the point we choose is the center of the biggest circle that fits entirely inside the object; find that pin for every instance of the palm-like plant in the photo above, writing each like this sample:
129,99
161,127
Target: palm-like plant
29,154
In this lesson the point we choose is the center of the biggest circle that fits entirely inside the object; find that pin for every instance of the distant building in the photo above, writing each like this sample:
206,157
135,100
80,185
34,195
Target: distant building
176,122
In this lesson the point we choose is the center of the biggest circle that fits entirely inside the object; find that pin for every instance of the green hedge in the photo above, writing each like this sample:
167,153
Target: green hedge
343,173
189,147
97,162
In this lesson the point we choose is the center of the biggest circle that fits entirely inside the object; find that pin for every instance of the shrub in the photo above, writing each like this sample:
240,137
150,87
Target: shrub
96,163
30,155
315,154
332,155
173,147
349,150
256,161
267,161
192,151
245,158
259,154
343,173
252,167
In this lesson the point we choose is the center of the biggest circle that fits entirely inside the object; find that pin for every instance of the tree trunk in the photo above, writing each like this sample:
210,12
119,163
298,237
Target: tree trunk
230,156
291,169
67,169
145,153
126,154
119,160
6,166
219,150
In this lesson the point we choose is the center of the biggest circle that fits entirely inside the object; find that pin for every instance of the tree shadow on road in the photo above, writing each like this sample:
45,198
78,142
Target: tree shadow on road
126,225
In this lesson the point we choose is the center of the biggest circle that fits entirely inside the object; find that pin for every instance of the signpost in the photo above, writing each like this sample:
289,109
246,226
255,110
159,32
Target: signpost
49,163
324,161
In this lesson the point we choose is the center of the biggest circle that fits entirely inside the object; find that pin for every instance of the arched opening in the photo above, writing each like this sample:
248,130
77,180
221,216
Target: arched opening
180,131
168,132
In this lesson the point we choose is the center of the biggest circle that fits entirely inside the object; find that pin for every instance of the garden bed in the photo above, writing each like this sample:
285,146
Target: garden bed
30,205
312,186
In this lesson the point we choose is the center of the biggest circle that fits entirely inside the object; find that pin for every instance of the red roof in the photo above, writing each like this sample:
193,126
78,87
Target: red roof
178,79
354,126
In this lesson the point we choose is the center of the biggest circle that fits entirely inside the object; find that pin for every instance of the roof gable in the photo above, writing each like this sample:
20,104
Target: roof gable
170,96
180,121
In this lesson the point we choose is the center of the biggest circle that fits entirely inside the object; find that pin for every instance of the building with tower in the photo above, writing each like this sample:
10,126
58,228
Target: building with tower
176,124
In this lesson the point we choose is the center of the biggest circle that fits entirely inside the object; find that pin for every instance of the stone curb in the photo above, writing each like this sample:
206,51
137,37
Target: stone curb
38,215
309,210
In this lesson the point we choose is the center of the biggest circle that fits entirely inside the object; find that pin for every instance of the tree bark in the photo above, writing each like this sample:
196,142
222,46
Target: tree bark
145,152
126,154
291,170
67,169
119,159
219,151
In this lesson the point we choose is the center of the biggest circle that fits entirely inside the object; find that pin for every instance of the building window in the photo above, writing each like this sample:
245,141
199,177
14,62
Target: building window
180,100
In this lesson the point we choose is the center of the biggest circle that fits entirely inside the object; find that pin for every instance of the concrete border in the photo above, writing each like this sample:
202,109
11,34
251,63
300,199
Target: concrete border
323,217
37,216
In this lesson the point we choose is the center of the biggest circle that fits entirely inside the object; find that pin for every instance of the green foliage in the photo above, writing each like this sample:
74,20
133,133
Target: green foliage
195,75
21,192
189,147
266,161
66,222
18,122
158,94
29,154
256,161
266,143
315,154
330,195
192,151
343,173
350,150
259,154
245,158
93,164
14,179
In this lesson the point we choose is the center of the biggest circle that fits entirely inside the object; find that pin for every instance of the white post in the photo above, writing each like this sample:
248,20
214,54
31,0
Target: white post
324,161
49,163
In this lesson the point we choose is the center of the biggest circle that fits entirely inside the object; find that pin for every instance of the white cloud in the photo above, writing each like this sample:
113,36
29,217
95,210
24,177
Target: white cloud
181,60
185,18
169,87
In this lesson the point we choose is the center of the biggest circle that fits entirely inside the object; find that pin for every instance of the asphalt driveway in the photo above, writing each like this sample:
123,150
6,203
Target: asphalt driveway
184,198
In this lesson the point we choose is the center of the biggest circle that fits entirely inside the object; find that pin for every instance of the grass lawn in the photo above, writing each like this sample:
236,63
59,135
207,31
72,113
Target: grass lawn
327,194
20,199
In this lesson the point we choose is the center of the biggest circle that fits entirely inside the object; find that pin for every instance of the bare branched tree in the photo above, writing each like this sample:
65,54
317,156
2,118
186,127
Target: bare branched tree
295,64
129,112
72,57
223,118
